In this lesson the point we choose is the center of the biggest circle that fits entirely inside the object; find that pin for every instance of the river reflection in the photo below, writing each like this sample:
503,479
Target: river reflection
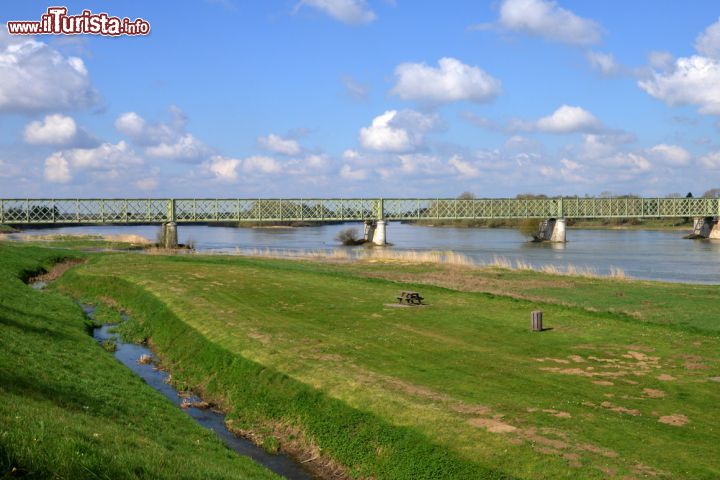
644,254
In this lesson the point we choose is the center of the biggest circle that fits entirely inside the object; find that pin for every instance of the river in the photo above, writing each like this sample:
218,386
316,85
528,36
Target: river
642,254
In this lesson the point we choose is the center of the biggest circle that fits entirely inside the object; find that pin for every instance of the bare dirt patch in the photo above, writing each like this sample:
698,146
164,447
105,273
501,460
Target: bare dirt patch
664,377
56,271
653,393
693,362
551,411
676,420
555,360
620,409
492,425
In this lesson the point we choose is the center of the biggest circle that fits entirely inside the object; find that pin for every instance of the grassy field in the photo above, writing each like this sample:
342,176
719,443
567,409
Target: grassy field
69,410
622,385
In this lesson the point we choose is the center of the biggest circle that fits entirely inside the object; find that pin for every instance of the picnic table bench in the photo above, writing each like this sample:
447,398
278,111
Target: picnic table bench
412,298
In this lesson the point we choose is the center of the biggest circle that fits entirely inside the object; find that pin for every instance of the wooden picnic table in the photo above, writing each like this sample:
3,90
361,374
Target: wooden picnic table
412,298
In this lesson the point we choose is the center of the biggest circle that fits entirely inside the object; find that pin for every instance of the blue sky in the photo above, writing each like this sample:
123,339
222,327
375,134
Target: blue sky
365,98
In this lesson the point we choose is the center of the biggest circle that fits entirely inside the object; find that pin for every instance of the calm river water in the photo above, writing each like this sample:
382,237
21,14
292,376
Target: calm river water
645,254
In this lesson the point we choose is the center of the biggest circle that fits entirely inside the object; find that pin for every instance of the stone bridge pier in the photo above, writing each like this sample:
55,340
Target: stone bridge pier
706,227
170,237
552,230
375,232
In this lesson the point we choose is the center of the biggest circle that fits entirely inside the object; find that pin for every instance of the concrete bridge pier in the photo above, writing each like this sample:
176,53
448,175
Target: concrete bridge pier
552,230
706,227
379,235
170,237
369,230
375,232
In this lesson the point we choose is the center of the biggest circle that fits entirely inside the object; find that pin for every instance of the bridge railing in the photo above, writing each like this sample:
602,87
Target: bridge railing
184,210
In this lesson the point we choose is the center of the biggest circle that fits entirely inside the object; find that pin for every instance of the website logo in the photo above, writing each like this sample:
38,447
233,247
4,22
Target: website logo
56,21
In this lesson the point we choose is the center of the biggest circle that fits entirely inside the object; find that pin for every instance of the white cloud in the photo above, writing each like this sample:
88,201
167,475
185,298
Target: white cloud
142,132
316,162
546,19
223,168
146,184
452,81
348,173
116,163
602,145
36,77
382,136
518,142
57,169
463,167
104,157
661,60
53,130
132,125
395,131
671,155
184,148
422,164
694,81
633,162
603,62
261,165
708,42
353,12
350,154
167,140
711,160
277,144
595,146
568,119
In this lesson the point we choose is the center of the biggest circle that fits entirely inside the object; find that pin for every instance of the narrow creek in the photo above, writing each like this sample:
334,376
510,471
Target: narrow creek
129,353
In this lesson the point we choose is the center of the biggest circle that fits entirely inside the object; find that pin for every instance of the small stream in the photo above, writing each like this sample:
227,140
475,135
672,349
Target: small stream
129,353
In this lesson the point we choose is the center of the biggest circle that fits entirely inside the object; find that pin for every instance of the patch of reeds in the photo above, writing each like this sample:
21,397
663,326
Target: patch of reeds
449,257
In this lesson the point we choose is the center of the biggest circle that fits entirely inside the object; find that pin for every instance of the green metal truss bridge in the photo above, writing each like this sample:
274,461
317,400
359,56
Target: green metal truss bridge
212,210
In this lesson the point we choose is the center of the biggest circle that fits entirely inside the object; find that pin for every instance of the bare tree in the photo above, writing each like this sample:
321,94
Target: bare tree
712,193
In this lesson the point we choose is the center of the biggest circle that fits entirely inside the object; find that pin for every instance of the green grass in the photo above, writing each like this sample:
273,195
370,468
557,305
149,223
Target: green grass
83,243
69,410
686,307
459,389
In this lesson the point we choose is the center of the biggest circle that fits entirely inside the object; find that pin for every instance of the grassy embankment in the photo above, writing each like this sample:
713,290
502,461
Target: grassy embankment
622,386
88,242
69,410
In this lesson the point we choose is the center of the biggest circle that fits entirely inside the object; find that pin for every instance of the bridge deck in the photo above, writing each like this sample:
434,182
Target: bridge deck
207,210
